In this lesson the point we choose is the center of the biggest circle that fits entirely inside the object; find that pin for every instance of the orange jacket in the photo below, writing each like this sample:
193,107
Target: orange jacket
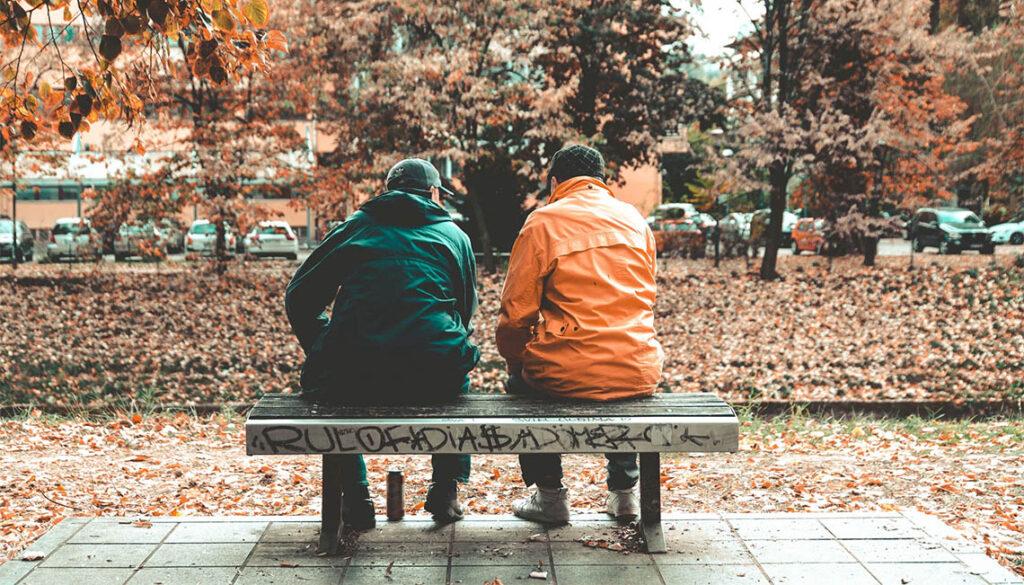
577,309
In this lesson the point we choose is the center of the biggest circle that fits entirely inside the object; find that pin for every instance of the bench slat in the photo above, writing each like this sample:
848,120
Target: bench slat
275,406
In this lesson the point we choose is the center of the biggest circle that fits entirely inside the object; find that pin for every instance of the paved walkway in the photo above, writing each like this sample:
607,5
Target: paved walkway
848,549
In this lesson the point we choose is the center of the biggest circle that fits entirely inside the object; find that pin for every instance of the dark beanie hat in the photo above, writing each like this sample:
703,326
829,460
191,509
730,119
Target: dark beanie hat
576,160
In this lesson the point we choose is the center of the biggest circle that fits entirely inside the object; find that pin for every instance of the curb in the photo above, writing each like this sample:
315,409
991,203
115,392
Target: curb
929,410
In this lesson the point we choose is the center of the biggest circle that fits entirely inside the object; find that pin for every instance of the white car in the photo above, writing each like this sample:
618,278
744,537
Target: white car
202,238
73,237
1008,233
672,211
272,238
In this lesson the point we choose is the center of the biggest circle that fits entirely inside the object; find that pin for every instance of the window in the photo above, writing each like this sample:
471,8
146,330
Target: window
60,35
959,217
204,228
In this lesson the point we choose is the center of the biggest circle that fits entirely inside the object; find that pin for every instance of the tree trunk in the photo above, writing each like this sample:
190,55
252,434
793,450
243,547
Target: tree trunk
480,224
870,244
778,178
14,209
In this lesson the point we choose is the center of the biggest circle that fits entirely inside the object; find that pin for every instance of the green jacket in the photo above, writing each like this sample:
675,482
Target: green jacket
400,326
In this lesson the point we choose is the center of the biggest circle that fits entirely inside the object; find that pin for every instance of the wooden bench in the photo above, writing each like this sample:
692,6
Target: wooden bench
285,424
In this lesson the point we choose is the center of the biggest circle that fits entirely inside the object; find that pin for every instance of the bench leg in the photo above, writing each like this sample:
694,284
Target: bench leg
331,522
650,502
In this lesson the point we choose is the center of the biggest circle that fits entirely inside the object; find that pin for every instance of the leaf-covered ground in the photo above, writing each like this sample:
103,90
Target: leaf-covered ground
952,329
971,475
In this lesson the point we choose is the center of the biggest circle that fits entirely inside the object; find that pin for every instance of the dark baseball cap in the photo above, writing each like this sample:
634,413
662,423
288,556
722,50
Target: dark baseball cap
576,160
415,174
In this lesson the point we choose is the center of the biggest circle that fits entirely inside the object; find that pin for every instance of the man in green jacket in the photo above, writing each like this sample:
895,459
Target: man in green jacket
402,277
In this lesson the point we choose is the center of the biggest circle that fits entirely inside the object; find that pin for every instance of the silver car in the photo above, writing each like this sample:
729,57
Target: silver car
272,238
73,237
143,240
202,238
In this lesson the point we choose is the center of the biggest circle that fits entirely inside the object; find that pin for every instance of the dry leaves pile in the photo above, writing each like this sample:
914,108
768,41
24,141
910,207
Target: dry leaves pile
952,329
971,475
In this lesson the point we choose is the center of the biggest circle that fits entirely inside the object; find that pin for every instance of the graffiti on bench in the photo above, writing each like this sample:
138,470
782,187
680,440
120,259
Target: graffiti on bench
269,438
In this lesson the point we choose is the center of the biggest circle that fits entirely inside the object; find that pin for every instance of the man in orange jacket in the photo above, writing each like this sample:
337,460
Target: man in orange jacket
577,317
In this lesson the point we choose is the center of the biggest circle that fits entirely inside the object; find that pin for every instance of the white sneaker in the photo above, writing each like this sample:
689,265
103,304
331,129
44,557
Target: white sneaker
624,504
546,505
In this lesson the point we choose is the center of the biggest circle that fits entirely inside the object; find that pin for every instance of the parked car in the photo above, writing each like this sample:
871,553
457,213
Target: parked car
143,240
16,241
808,236
678,238
735,234
706,222
272,238
202,238
951,230
172,235
73,237
759,226
671,212
1011,232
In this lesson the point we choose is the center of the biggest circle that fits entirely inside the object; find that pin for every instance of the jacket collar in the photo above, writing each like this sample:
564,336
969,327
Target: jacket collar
577,184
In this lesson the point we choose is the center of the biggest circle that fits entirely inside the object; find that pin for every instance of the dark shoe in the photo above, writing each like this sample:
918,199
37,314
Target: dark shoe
443,501
357,509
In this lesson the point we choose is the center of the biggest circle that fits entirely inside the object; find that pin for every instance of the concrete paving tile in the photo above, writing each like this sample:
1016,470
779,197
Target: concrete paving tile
931,524
582,529
417,531
99,555
863,528
291,532
300,554
183,576
799,551
489,531
712,575
14,569
470,518
117,533
961,546
234,532
381,554
500,553
817,574
714,552
231,519
692,530
63,576
924,573
587,575
58,535
688,517
811,515
787,528
508,574
574,553
398,576
217,554
898,551
290,576
988,568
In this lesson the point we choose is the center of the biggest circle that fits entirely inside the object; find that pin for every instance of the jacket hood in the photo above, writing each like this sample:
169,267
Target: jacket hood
404,209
